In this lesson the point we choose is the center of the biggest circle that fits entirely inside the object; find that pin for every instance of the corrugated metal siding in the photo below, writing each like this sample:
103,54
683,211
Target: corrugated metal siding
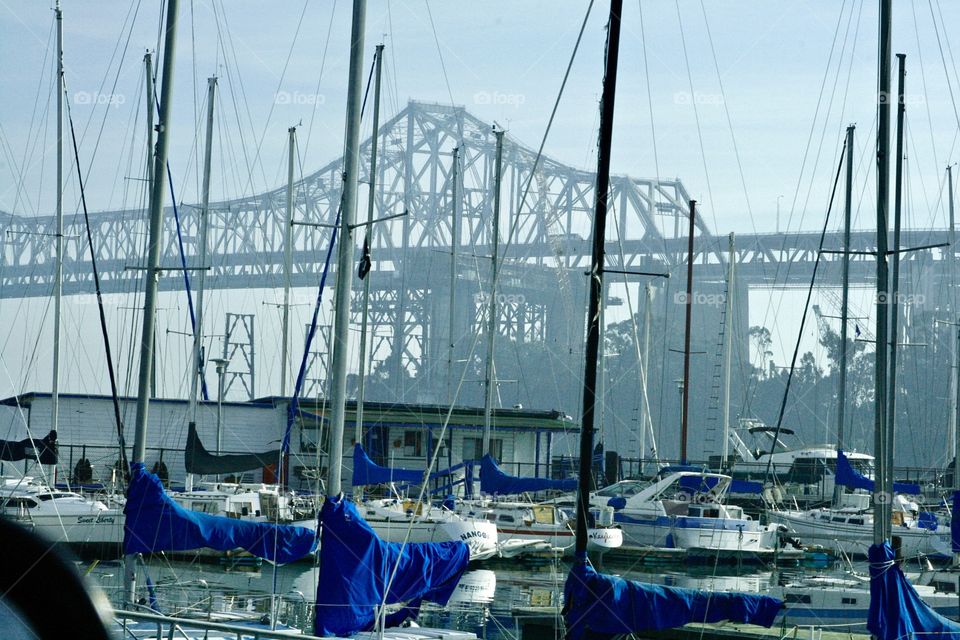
90,422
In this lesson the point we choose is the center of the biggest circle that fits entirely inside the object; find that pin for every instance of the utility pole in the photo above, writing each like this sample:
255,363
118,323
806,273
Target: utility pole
952,433
685,415
490,372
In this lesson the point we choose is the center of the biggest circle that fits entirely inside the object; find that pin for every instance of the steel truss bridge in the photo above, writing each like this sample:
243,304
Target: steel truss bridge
546,252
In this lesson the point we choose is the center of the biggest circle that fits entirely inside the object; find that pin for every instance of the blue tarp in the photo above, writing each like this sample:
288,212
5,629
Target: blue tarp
154,522
853,479
356,567
955,524
746,486
598,605
896,611
366,471
494,481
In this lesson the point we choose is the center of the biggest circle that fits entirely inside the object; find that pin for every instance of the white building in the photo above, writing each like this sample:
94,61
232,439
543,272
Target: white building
395,435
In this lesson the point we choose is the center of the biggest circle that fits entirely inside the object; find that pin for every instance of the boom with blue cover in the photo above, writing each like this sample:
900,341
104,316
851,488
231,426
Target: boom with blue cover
896,611
367,472
853,479
598,605
359,572
154,522
494,481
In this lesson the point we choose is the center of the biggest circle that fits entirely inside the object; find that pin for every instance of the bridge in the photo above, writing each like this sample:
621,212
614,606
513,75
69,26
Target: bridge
547,210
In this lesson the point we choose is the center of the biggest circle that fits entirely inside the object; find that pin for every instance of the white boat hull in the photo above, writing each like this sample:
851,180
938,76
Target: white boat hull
851,539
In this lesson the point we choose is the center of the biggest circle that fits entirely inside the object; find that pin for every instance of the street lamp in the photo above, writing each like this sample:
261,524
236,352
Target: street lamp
221,365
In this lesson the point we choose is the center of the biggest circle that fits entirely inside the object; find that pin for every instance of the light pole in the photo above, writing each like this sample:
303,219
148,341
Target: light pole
778,213
221,365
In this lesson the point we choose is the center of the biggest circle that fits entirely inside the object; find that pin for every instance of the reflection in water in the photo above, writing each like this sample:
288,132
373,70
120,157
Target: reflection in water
485,600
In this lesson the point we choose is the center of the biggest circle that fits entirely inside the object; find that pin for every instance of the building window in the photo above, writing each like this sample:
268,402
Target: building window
413,444
473,448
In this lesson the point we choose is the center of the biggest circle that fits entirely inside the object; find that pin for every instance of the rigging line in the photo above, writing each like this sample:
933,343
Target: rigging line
806,307
696,117
726,112
436,40
923,83
99,294
273,104
323,63
943,59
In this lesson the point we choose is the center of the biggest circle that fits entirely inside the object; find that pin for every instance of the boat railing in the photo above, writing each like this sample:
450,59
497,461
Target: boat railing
169,628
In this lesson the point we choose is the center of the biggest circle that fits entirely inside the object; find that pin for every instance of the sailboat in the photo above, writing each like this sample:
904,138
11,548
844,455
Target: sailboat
847,524
595,603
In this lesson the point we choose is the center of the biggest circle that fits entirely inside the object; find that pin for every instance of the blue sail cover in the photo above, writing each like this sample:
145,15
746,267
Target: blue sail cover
356,566
598,605
896,611
154,522
366,471
494,481
955,524
853,479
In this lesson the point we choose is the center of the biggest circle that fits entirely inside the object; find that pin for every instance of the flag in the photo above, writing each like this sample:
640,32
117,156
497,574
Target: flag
856,329
365,264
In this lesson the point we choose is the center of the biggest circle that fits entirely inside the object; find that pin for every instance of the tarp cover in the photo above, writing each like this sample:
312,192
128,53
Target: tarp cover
955,524
44,449
896,611
598,605
366,471
853,479
154,522
356,566
494,481
198,460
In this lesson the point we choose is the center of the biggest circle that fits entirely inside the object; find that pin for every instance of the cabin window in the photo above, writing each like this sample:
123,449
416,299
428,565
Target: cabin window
796,598
855,520
848,601
839,519
413,444
506,518
473,448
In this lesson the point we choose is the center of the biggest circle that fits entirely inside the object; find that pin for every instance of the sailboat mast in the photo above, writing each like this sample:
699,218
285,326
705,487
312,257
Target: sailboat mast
953,435
153,256
844,304
883,485
685,415
490,372
287,263
596,275
454,245
728,350
644,373
895,276
58,239
368,242
345,250
198,364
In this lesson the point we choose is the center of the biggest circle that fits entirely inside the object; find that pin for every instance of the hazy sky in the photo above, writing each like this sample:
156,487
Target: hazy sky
766,86
504,61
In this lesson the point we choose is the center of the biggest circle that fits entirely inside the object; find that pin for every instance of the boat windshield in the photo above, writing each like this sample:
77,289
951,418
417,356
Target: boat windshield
623,489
